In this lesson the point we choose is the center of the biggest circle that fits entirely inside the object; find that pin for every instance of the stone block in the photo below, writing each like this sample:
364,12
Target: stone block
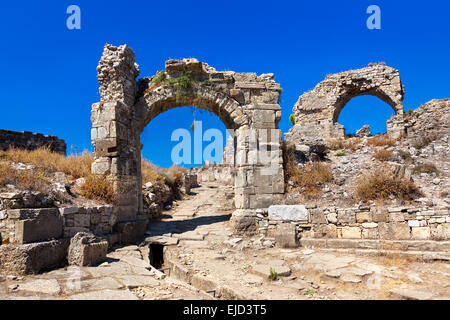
421,233
87,250
324,231
47,224
244,222
317,216
362,217
394,230
396,217
380,216
289,213
286,236
132,231
351,233
441,232
346,216
34,257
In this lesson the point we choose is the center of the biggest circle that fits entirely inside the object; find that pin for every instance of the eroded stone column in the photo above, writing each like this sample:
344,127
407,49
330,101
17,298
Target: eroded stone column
116,141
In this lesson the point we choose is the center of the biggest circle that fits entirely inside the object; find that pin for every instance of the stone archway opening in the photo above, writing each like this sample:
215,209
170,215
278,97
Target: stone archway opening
317,111
365,111
244,102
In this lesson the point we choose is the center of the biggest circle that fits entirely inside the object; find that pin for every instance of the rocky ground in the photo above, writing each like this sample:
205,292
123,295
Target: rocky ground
199,241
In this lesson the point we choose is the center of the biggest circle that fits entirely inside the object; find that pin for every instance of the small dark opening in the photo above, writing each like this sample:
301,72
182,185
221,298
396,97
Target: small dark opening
156,255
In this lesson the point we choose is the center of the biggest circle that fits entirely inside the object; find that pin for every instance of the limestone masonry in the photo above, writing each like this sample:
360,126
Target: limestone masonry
30,141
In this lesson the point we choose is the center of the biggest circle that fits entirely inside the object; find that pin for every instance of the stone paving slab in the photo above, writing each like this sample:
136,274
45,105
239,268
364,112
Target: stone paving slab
45,286
105,295
411,294
134,281
264,270
96,284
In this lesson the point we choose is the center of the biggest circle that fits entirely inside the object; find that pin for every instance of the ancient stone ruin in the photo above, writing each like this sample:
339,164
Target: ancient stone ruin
317,111
246,103
30,141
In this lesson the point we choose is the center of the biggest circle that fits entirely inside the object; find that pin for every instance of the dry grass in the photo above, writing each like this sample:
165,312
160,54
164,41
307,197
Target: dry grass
175,175
75,165
381,185
424,140
151,173
383,155
98,188
381,140
351,144
310,177
35,180
426,168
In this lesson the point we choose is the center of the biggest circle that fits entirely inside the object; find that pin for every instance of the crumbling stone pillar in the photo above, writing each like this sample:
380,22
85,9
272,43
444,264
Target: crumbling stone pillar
116,141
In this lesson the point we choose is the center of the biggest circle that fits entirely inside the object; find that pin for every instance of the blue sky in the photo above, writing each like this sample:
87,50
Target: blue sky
48,72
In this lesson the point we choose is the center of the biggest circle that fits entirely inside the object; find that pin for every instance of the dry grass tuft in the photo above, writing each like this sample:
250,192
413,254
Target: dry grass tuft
75,165
381,140
309,177
383,155
426,168
151,173
98,188
35,180
381,185
351,144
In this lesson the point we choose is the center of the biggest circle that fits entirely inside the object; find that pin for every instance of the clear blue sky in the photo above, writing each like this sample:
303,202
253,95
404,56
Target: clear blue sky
48,72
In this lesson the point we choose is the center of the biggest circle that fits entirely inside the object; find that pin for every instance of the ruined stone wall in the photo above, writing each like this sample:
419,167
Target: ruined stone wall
372,223
317,111
222,173
30,141
20,226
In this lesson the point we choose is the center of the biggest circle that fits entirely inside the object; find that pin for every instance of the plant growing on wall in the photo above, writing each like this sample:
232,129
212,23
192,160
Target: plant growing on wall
292,119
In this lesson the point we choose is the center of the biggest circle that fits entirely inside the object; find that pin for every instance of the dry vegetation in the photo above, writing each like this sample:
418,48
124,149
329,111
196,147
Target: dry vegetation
381,140
154,174
381,185
351,144
75,165
98,188
383,155
426,168
308,177
35,180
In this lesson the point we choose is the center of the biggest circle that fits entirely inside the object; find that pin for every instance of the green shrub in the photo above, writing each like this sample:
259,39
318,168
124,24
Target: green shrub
273,274
292,119
340,154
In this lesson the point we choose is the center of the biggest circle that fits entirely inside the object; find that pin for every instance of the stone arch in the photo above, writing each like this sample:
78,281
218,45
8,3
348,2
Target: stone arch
321,106
245,102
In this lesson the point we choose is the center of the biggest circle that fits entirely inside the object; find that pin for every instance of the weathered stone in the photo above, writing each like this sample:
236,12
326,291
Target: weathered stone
411,294
351,233
30,141
41,286
105,295
286,236
37,225
34,257
421,233
87,250
394,230
289,213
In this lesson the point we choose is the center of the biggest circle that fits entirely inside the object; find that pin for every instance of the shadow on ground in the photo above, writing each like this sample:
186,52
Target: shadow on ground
158,228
